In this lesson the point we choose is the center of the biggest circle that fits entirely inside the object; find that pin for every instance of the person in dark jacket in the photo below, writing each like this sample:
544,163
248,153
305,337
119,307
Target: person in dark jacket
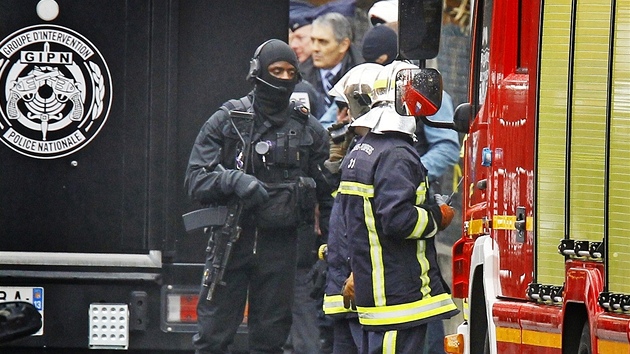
395,284
272,162
438,148
355,89
333,54
380,45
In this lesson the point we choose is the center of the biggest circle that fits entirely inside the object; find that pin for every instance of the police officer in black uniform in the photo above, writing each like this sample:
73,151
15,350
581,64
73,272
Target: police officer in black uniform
273,163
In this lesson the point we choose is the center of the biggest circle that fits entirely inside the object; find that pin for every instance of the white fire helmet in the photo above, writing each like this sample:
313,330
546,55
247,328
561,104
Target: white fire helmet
385,83
384,11
356,88
383,117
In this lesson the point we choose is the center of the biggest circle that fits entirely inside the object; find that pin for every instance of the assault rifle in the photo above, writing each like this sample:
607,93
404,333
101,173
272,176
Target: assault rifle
224,232
223,220
221,242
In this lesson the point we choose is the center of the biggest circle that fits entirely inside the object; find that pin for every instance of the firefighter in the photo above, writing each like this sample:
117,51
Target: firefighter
272,162
390,226
354,89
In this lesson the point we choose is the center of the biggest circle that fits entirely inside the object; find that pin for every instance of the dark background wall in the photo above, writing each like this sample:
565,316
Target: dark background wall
172,63
215,43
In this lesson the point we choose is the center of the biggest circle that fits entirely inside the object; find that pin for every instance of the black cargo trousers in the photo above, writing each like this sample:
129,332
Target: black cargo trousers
261,270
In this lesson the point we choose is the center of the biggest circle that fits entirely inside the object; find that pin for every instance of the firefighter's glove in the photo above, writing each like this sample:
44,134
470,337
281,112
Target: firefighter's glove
347,290
322,252
246,187
336,154
337,151
446,211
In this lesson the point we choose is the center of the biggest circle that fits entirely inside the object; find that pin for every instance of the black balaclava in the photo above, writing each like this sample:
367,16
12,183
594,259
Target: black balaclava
272,94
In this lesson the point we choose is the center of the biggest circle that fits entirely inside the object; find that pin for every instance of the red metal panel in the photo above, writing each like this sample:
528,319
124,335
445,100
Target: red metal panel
461,266
512,176
512,133
613,327
527,327
584,282
532,349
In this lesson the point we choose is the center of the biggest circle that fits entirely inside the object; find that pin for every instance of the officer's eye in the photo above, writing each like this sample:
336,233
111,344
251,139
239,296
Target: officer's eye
283,73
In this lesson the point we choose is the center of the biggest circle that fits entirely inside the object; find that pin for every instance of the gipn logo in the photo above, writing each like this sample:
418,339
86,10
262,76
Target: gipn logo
55,91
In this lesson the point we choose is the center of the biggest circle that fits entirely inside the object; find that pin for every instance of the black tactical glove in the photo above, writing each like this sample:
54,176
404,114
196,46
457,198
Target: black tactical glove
318,277
246,187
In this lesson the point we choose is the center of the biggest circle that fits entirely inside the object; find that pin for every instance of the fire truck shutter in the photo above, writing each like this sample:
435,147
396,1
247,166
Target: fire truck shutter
619,160
580,193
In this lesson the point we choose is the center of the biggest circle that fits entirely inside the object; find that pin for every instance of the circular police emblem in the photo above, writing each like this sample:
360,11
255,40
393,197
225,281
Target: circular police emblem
55,91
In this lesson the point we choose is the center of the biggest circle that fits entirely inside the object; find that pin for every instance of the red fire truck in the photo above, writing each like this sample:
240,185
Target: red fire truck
542,261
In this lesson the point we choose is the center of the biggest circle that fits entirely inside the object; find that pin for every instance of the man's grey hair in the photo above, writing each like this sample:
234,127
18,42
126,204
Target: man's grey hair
340,25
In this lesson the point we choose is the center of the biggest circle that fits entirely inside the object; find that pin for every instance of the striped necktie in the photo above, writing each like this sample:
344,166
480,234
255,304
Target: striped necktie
327,87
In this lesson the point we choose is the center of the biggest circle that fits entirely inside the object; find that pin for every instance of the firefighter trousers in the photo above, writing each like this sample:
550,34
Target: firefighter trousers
402,341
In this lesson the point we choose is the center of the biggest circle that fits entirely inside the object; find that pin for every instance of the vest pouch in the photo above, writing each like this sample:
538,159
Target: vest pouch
285,150
307,199
281,210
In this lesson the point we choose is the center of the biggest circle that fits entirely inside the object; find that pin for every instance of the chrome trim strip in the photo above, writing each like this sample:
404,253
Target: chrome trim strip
151,260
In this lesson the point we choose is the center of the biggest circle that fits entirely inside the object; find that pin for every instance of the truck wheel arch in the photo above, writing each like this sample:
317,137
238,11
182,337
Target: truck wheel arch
574,323
484,285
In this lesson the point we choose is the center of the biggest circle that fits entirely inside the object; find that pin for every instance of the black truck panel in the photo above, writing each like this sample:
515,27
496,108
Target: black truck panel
100,221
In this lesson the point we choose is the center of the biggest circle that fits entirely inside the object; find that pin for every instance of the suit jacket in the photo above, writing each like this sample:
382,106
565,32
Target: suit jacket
311,74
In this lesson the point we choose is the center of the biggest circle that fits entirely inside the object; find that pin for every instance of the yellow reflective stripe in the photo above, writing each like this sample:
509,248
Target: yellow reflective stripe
421,247
355,188
612,347
508,335
466,309
507,222
376,255
421,193
334,193
529,223
395,314
541,339
389,342
421,225
504,222
423,215
333,304
457,174
475,227
380,84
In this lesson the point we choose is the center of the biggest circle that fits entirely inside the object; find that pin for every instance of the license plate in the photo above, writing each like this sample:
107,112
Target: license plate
34,295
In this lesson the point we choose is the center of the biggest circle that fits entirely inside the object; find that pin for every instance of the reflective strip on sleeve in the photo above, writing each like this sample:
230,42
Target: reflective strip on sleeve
355,188
403,313
421,193
333,304
421,225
